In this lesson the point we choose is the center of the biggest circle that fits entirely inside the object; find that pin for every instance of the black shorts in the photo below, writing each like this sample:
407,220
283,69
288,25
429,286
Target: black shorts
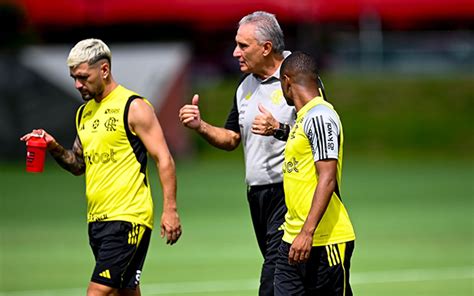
325,273
119,249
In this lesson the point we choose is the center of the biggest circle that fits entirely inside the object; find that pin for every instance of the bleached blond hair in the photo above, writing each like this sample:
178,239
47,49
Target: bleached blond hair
88,51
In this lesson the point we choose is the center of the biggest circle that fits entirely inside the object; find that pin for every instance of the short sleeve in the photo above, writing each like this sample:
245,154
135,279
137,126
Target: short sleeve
322,128
232,122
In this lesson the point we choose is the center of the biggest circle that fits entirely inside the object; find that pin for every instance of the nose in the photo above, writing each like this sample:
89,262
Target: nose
77,84
237,53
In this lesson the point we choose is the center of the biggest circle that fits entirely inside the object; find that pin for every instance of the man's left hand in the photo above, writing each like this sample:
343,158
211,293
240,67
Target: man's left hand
264,123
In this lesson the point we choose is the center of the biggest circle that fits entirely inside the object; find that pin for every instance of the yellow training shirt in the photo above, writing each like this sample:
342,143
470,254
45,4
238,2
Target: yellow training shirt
117,185
317,135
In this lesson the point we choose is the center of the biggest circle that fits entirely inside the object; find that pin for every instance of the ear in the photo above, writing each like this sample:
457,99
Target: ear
285,82
267,48
105,70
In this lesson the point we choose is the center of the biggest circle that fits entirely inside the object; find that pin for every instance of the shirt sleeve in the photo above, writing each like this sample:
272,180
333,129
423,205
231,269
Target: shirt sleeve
322,128
232,122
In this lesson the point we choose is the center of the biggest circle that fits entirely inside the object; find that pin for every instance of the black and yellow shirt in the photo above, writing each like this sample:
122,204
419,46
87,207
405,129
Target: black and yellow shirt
116,174
317,135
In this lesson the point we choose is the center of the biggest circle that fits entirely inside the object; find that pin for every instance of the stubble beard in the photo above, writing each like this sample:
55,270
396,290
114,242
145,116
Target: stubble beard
87,96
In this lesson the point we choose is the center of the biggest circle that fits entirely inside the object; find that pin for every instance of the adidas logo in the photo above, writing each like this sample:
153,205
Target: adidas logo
105,273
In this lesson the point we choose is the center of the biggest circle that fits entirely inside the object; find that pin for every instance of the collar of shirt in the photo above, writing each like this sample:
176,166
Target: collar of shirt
315,101
276,74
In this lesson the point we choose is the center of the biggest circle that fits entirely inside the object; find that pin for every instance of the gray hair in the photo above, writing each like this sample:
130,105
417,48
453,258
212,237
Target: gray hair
88,51
266,29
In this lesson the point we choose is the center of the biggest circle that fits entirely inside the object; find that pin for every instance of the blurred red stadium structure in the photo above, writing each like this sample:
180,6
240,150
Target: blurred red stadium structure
361,35
212,14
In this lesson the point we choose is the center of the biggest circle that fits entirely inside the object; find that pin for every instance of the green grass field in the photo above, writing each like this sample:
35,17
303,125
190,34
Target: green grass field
413,215
414,223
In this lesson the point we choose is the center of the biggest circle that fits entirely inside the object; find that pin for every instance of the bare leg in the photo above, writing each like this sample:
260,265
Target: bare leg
130,292
96,289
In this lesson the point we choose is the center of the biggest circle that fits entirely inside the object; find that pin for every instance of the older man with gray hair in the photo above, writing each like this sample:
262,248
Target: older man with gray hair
260,52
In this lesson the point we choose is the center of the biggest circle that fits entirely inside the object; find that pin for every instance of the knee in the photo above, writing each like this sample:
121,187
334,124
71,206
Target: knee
95,289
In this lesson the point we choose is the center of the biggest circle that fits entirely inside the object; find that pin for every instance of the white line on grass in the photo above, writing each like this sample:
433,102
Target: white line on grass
412,275
361,278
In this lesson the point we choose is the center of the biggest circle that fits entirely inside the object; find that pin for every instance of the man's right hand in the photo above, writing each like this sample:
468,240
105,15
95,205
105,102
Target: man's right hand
190,115
40,133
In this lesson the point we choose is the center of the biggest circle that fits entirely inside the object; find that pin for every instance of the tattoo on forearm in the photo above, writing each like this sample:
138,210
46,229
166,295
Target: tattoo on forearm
71,160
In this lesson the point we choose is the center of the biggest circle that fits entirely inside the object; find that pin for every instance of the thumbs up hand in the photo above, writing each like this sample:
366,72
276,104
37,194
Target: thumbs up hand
190,115
264,123
195,100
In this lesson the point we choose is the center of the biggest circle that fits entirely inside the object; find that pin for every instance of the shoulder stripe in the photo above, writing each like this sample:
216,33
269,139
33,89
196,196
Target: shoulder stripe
318,145
324,137
320,133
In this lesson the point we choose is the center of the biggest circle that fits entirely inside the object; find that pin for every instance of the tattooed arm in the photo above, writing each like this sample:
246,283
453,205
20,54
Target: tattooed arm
70,160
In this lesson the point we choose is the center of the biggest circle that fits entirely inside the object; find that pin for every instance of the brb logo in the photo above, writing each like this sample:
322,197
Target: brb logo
93,157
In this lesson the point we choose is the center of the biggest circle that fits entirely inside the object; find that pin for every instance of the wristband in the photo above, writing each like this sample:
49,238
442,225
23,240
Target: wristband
282,132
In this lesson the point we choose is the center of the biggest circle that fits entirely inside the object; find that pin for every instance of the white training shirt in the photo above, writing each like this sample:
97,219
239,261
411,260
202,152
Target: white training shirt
263,154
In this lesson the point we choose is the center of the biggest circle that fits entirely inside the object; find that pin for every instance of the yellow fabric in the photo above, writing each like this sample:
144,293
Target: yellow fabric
300,180
342,251
136,234
116,176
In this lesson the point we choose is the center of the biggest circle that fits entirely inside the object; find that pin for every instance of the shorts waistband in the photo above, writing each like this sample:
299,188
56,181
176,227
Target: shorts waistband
265,186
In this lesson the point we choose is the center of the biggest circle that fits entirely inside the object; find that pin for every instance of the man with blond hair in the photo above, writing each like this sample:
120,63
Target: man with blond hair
116,129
